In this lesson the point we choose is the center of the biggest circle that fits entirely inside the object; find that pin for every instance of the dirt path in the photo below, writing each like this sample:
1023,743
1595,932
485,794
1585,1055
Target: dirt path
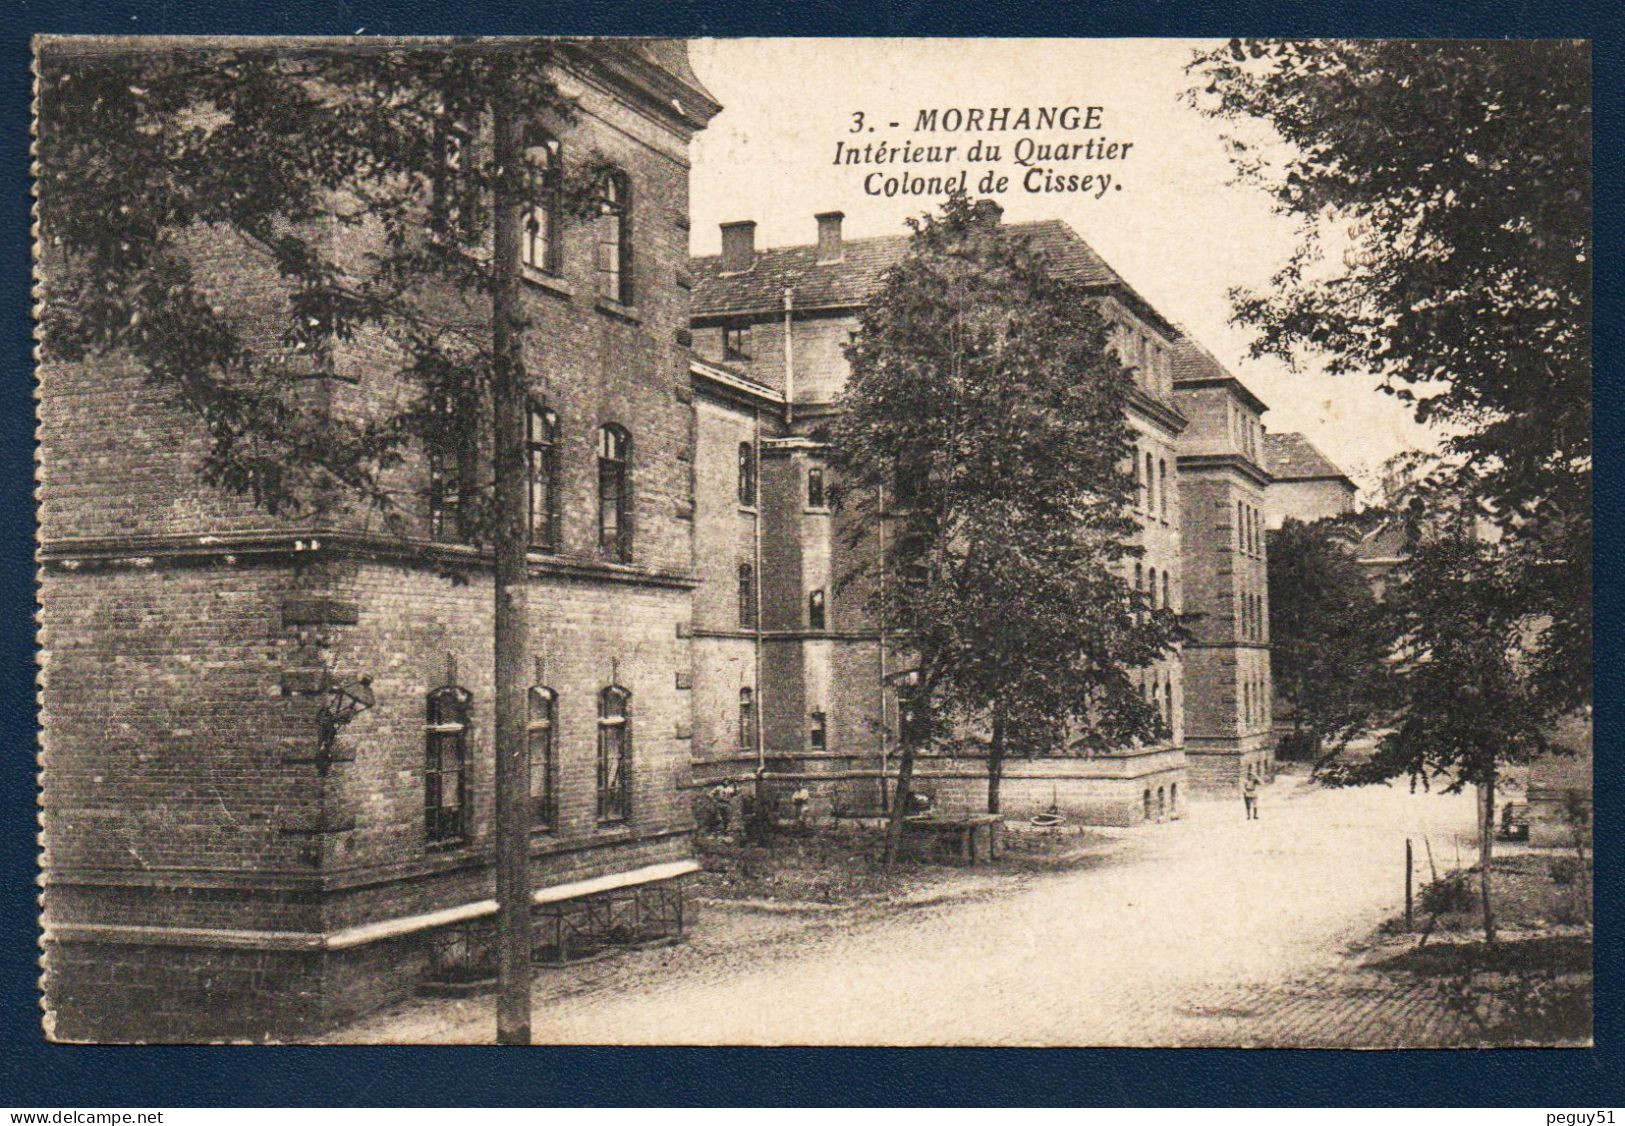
1211,930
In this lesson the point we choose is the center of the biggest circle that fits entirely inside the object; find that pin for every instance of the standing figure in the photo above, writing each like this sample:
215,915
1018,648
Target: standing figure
1249,795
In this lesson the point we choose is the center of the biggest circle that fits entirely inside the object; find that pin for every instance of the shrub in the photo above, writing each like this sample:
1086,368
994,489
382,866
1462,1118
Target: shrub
1448,895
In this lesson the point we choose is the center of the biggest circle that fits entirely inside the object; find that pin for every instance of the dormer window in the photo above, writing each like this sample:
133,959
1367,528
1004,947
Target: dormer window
736,342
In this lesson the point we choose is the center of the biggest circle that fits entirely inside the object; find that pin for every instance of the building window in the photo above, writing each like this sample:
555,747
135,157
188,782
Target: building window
1150,485
614,507
1151,583
915,568
815,488
455,203
543,246
818,731
747,720
747,474
736,342
445,472
1167,600
542,706
1139,483
747,596
815,610
1241,527
1162,486
613,233
905,486
444,500
445,764
542,464
614,754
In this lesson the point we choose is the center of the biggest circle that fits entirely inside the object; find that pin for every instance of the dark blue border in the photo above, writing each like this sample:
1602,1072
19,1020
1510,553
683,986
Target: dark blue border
35,1073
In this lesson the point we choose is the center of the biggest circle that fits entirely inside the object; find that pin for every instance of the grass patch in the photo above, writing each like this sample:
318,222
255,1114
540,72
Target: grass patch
842,865
1527,892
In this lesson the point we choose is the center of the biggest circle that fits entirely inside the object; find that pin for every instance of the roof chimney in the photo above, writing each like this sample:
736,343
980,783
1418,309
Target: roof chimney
738,246
829,235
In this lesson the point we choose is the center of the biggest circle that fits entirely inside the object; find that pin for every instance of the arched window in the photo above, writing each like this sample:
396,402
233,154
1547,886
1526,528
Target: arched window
1148,804
1139,483
747,596
614,493
1151,576
543,245
613,234
747,474
614,754
1150,485
540,739
1162,804
1162,485
445,764
1167,600
542,463
815,610
1173,797
815,487
1241,527
747,720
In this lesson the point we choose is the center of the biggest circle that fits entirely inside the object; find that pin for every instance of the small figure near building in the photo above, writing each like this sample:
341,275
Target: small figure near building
722,799
1249,795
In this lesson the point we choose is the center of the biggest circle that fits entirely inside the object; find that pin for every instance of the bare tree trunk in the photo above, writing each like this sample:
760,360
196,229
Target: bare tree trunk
900,796
995,761
1486,844
509,618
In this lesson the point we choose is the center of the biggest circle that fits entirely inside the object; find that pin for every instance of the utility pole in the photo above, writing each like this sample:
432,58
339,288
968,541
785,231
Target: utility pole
509,402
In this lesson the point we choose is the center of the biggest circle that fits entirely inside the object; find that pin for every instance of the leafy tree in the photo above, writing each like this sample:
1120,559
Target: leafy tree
1464,702
378,191
1329,640
1443,193
984,440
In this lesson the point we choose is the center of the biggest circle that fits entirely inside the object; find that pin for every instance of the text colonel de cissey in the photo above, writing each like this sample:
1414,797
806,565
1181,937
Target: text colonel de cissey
1033,159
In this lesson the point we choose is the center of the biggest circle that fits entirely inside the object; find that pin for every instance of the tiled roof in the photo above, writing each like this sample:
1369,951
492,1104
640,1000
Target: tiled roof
1292,457
857,275
1388,540
1192,362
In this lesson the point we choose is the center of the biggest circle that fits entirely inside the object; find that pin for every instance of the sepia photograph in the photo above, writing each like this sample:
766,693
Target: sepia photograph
809,541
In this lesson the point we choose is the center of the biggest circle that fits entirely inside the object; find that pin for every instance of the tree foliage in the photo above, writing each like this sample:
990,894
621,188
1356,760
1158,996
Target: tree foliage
1443,192
358,182
1328,637
984,439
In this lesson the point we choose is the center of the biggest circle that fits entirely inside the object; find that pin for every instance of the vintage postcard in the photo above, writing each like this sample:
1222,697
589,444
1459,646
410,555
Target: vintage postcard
815,542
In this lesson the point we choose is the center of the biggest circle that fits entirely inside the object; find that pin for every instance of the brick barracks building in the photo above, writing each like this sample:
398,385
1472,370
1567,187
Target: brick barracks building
212,866
790,678
223,858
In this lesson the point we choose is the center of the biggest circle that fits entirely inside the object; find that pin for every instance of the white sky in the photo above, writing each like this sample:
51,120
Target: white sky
1178,231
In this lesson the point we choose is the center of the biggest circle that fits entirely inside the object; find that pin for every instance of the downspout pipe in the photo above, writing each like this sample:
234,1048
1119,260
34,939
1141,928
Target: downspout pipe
789,359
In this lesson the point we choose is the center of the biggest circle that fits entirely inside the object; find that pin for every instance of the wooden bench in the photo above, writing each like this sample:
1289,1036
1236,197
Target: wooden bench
963,840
